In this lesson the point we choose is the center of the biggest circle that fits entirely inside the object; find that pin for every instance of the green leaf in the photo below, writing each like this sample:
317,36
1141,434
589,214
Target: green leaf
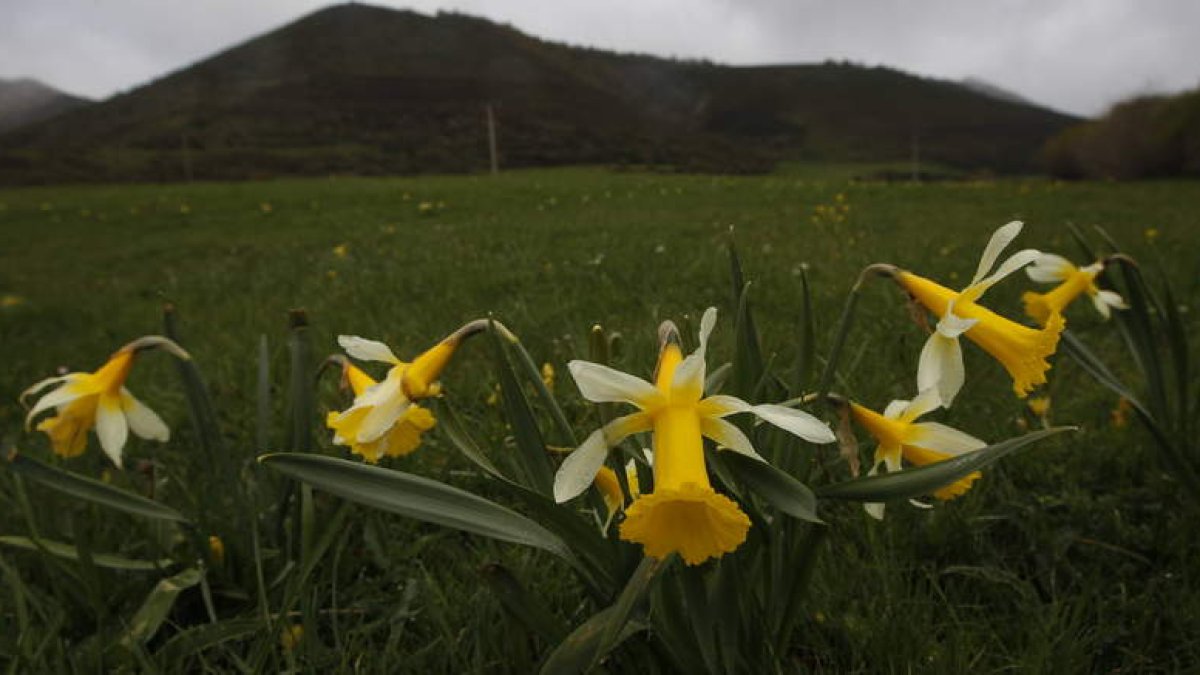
806,355
302,406
605,630
452,429
839,341
779,489
531,449
417,497
157,606
107,560
200,407
91,490
748,369
924,480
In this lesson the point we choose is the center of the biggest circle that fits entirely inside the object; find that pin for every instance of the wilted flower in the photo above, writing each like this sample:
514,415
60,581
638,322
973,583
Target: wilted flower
1072,282
900,436
1020,349
683,514
100,400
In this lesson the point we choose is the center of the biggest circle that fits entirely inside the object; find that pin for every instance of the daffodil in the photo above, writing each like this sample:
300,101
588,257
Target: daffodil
383,418
900,436
610,488
683,514
1072,282
1021,350
404,435
82,401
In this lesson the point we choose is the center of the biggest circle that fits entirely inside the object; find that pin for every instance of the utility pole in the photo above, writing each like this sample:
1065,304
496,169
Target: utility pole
491,129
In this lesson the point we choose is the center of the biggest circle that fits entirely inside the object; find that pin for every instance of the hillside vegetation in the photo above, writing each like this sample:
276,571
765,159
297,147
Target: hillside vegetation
1146,137
355,89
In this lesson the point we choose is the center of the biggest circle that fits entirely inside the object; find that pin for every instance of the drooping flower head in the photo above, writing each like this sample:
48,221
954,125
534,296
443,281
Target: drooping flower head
1021,350
683,514
383,419
404,435
1072,282
900,436
86,400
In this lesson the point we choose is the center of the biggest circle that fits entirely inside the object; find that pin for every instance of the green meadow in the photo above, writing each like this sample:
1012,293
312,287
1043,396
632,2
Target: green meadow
1076,554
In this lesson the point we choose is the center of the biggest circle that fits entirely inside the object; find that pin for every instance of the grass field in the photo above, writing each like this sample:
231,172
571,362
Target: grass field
1077,555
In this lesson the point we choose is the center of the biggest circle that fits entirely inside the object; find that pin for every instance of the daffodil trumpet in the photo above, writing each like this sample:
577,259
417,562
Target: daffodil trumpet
82,401
900,437
1020,349
683,514
1072,282
383,420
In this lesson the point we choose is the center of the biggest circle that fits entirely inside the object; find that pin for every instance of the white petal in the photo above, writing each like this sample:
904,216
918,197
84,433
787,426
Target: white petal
579,469
920,504
1101,306
601,384
728,436
941,366
1112,299
952,325
926,402
895,409
38,386
722,405
381,419
941,438
1000,240
707,323
367,350
687,384
874,509
61,396
1050,269
1015,262
143,422
796,422
111,428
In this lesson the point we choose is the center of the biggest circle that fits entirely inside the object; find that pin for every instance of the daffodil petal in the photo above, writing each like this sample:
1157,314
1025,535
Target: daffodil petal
111,427
381,418
874,509
367,350
1014,262
38,386
925,402
721,405
389,388
728,436
143,422
1101,306
1000,240
1112,299
795,422
895,409
951,325
61,396
941,438
601,384
1050,269
941,366
579,469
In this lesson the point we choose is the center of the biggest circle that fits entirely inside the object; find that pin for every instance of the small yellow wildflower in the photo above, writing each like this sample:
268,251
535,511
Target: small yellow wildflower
1039,405
1120,413
290,636
548,375
99,400
265,207
340,250
10,300
1151,234
216,550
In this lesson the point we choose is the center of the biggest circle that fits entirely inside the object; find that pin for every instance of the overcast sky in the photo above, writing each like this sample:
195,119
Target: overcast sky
1076,56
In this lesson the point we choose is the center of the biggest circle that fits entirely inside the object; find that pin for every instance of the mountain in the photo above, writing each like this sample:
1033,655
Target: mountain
366,90
995,91
25,101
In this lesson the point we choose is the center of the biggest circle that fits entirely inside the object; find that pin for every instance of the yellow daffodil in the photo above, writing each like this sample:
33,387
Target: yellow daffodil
683,514
100,400
1020,349
404,435
383,418
900,436
610,488
1072,282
